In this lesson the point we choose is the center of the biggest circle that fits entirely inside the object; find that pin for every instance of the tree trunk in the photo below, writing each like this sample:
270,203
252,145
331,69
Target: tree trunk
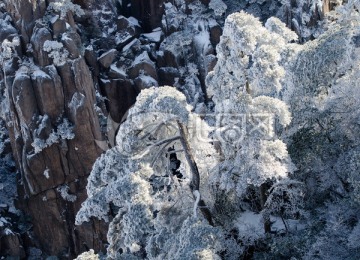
195,180
266,217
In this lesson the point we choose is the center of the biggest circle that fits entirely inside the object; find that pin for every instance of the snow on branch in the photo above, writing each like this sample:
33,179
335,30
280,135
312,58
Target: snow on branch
56,51
65,6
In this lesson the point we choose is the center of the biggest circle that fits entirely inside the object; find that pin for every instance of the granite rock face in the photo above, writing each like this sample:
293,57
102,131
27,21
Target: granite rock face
52,126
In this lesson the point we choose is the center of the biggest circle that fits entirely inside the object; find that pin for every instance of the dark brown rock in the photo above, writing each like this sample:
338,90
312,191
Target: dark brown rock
215,33
91,60
143,64
24,98
122,23
107,58
167,76
205,2
11,245
54,212
121,95
58,26
63,92
38,38
25,13
144,81
49,93
210,62
148,12
72,43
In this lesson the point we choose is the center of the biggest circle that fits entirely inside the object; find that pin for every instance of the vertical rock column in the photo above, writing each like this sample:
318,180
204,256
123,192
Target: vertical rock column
53,127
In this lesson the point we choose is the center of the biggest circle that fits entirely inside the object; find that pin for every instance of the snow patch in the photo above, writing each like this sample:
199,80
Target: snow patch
143,57
64,192
128,46
133,21
77,101
39,74
46,173
153,36
148,81
118,70
105,81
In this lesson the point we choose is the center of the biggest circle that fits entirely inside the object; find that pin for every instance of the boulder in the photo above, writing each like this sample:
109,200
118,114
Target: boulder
155,36
210,62
121,95
215,33
11,245
72,43
58,26
23,98
91,60
168,75
127,30
48,92
38,38
144,65
107,58
148,12
144,81
116,72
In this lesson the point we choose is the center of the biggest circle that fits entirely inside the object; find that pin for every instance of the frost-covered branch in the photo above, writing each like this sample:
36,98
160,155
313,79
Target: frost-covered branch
195,178
65,6
197,200
56,51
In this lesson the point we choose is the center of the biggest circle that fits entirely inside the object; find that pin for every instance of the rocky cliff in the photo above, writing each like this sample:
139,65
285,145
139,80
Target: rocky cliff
73,67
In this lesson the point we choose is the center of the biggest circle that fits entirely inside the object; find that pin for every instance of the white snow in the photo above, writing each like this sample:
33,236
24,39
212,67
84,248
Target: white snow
3,221
106,53
128,46
89,47
202,39
122,37
8,232
46,173
141,58
105,81
65,37
64,192
39,74
250,223
118,70
148,80
54,19
153,36
133,21
77,101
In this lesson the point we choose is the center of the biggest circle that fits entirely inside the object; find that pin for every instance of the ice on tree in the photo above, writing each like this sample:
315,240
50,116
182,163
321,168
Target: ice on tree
218,6
56,51
245,87
138,178
65,6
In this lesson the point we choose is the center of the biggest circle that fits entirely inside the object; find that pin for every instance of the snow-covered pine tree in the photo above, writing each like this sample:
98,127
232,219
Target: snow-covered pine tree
322,89
245,87
152,183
